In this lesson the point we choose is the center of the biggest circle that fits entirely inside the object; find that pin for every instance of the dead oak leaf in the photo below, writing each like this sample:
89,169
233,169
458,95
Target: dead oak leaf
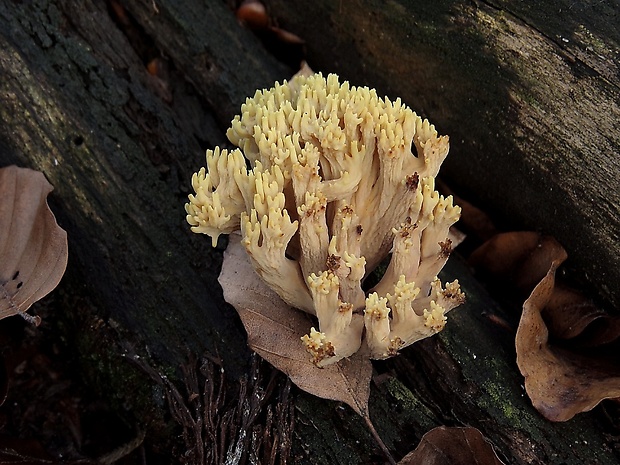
33,248
567,348
275,330
572,317
452,446
559,381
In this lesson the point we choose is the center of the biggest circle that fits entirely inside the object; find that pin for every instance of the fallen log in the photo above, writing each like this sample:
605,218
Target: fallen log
119,143
528,95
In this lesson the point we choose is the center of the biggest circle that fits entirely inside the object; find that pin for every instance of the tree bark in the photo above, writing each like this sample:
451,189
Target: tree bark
119,144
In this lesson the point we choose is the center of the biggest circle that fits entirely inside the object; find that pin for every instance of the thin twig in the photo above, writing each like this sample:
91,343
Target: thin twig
378,439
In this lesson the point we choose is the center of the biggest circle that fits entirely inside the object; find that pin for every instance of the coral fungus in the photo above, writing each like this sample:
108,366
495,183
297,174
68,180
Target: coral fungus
339,179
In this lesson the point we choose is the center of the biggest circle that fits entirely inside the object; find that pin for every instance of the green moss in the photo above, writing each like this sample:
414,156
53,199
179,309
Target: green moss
500,400
407,401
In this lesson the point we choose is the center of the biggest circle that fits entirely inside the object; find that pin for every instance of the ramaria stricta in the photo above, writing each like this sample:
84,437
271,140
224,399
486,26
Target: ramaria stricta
340,179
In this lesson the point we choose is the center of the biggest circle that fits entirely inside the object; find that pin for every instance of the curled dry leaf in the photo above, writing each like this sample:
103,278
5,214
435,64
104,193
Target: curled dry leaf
275,331
570,316
567,348
560,380
452,446
33,248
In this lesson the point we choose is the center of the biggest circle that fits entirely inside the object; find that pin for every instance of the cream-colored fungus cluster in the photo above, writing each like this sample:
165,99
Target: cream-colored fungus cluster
339,179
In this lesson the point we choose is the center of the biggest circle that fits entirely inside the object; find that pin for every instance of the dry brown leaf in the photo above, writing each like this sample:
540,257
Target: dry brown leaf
33,248
571,316
567,348
559,381
452,446
275,330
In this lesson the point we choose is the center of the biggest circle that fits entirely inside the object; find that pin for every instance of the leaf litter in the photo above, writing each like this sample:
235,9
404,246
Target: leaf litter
568,349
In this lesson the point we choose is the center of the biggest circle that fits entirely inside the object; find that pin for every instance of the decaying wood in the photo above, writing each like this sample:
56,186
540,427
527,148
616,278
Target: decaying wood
529,95
119,144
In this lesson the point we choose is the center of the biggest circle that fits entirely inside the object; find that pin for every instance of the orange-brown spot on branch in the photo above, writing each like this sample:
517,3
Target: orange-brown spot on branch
347,210
446,248
412,181
407,228
457,297
333,262
395,345
313,211
359,229
376,315
345,307
321,353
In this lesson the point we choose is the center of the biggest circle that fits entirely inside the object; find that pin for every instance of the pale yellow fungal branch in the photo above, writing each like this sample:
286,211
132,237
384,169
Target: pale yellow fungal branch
339,179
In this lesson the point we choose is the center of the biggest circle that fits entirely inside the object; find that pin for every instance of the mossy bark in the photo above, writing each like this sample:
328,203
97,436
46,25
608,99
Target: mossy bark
119,144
